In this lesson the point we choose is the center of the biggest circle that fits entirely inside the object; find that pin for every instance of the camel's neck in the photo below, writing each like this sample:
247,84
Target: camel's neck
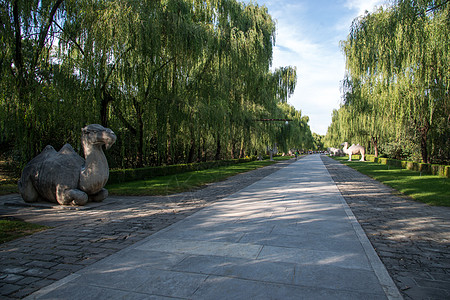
96,170
95,158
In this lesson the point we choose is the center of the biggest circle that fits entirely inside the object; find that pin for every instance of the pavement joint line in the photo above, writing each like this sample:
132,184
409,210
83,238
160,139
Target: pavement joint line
52,287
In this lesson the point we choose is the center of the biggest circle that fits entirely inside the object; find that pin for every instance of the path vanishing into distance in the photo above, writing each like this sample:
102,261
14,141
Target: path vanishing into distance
287,231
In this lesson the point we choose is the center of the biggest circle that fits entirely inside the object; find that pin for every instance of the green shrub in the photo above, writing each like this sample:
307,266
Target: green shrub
127,175
439,170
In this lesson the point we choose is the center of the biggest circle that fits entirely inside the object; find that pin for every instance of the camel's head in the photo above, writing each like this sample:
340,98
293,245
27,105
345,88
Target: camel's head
344,144
96,134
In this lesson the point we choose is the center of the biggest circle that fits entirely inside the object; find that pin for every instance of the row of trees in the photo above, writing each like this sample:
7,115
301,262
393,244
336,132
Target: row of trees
396,90
177,80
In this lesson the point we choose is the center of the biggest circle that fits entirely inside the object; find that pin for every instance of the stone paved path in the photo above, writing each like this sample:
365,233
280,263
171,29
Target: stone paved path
288,236
82,237
412,239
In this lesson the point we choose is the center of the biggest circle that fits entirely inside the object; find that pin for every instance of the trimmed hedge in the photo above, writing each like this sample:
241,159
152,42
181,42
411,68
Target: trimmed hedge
433,169
126,175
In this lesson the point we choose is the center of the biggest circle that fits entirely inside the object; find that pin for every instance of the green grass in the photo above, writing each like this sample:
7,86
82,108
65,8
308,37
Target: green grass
8,182
13,229
8,188
429,189
178,183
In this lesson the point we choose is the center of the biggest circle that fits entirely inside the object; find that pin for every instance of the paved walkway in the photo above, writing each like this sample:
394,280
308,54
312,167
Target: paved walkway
288,236
411,238
82,237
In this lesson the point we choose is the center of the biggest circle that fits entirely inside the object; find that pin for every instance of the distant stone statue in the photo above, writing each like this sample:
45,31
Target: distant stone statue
354,149
335,151
65,177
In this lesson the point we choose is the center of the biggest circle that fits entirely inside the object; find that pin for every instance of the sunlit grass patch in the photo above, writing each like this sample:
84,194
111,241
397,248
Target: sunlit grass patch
430,189
13,229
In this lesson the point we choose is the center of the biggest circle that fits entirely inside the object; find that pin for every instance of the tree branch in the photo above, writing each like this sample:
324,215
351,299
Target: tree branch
44,31
437,6
147,90
18,58
71,39
114,66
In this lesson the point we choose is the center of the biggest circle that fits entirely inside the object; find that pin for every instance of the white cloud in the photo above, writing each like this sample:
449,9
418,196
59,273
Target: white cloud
308,35
320,67
361,6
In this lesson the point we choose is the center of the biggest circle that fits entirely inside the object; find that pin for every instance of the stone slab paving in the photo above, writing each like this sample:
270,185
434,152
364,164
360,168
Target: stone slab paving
83,236
412,239
288,236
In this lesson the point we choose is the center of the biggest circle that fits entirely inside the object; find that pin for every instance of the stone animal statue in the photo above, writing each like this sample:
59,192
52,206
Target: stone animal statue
335,151
65,177
354,149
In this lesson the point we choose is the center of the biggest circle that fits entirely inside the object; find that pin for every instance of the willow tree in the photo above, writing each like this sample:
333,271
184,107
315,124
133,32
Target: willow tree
398,59
29,104
177,80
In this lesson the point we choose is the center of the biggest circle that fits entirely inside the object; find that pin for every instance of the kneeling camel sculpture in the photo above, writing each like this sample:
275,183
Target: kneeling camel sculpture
64,176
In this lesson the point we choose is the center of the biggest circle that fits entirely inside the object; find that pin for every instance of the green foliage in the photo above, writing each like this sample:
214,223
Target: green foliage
430,189
13,229
396,90
178,81
402,150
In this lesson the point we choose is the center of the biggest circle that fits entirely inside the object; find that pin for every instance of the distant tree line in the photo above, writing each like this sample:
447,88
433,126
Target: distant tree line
178,81
396,98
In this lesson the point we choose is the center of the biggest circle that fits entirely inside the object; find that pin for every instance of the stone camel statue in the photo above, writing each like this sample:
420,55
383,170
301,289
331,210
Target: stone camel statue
354,149
335,151
65,177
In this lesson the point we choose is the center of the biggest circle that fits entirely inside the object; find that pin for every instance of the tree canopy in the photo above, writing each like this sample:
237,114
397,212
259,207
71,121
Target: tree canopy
396,90
178,81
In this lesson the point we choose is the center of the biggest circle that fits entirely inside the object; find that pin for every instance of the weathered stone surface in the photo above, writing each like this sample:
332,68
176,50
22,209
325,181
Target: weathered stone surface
66,178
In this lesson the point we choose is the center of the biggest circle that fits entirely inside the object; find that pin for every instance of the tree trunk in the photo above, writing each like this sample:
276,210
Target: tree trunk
242,151
199,150
191,152
218,149
18,57
423,145
140,150
169,160
204,153
106,99
233,149
375,145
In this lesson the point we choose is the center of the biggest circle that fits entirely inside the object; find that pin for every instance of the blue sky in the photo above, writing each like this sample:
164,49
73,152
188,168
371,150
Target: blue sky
308,35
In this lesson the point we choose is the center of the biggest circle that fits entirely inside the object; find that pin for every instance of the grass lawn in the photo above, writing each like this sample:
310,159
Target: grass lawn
171,184
8,183
430,189
13,229
8,188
